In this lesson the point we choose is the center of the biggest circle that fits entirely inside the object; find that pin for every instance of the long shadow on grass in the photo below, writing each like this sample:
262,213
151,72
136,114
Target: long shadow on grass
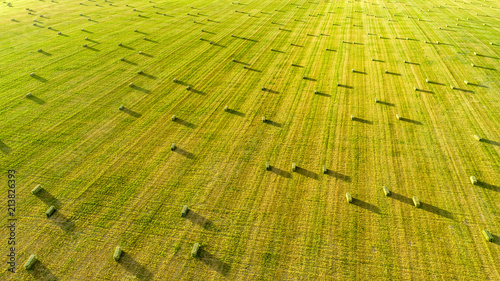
322,94
361,120
126,47
393,73
185,123
141,89
435,210
35,99
39,78
200,220
40,272
463,90
149,76
270,91
280,172
60,220
436,83
146,55
386,103
129,62
411,121
366,205
488,186
338,175
184,153
134,267
4,148
401,198
236,112
45,53
47,198
485,67
490,142
345,86
307,173
478,85
244,63
496,239
197,91
132,113
214,262
308,78
92,49
253,69
88,31
275,124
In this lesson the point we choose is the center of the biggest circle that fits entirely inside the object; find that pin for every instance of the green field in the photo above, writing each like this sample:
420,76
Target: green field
307,67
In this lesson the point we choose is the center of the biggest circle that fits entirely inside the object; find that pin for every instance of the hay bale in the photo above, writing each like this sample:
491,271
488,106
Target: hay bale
175,80
32,74
473,180
117,254
264,119
173,147
37,189
487,235
325,170
30,262
426,80
473,65
398,117
376,100
140,72
194,251
478,138
268,167
50,211
226,108
122,59
185,210
466,82
188,88
352,117
416,202
294,167
28,95
386,71
131,85
348,197
122,107
386,191
174,117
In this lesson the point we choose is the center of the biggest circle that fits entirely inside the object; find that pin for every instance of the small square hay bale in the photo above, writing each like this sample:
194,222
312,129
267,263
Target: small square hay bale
117,254
264,119
30,262
185,210
131,85
398,117
478,138
122,107
268,167
50,211
487,235
466,82
426,80
386,191
122,59
226,108
473,180
140,72
32,74
348,197
386,71
28,95
194,251
172,147
352,117
188,88
325,170
376,100
37,189
416,202
294,167
174,117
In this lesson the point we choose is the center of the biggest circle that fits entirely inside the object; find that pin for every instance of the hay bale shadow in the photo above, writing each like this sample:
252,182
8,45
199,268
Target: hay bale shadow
135,87
126,47
39,78
200,220
240,62
5,148
436,83
401,198
272,123
488,186
93,41
490,142
345,86
134,267
149,76
280,172
361,120
214,262
410,121
40,272
435,210
92,49
35,99
393,73
253,69
236,112
485,67
184,153
185,123
322,94
338,175
129,62
132,113
45,53
47,198
90,32
307,173
496,239
271,91
146,55
366,205
60,220
478,85
309,78
386,103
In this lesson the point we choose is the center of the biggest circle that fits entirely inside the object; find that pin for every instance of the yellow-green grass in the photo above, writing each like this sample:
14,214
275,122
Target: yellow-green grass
114,180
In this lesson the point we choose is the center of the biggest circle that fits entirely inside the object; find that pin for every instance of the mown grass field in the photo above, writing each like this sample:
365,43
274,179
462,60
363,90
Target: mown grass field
115,182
